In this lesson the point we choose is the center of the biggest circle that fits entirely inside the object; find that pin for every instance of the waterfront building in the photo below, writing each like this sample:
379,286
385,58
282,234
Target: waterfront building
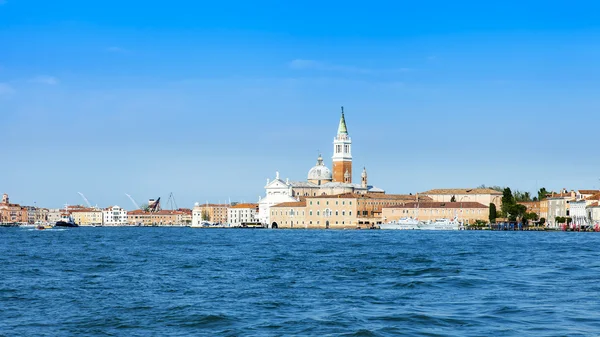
578,213
54,214
114,216
484,196
544,209
214,213
242,214
159,218
558,206
350,210
12,213
36,214
593,213
466,212
87,216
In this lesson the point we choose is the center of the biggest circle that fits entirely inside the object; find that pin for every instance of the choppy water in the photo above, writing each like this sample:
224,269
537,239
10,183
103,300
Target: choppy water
183,281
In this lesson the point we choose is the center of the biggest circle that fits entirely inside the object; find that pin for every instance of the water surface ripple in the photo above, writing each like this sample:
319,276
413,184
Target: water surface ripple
183,281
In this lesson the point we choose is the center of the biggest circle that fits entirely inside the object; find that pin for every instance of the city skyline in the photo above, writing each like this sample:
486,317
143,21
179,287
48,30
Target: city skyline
208,100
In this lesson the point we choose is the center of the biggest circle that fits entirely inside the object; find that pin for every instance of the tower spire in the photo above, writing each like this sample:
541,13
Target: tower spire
342,129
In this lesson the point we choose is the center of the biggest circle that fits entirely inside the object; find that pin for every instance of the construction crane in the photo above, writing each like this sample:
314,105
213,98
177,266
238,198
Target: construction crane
133,201
86,201
171,202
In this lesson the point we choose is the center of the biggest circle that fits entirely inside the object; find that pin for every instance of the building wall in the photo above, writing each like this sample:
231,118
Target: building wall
161,218
341,211
544,209
340,168
464,214
556,207
289,216
114,216
484,199
242,214
87,218
12,213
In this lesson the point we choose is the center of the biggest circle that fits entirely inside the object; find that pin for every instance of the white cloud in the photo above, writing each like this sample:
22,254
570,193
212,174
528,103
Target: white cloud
301,64
6,89
49,80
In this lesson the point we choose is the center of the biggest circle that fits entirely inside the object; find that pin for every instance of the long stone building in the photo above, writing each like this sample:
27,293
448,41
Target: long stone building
350,210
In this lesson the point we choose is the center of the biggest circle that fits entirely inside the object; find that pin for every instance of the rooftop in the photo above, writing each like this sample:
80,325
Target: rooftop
435,204
246,205
291,204
463,191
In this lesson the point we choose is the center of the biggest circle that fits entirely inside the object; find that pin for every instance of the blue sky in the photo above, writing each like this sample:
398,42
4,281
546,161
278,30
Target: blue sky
208,99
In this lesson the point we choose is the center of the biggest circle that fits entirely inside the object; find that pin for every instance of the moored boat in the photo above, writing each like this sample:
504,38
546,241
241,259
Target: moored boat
401,224
441,225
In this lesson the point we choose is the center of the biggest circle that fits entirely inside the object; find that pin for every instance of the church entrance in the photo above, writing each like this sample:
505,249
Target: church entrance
274,225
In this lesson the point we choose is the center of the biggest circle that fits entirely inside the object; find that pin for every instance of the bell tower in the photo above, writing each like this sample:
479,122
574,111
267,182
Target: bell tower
342,153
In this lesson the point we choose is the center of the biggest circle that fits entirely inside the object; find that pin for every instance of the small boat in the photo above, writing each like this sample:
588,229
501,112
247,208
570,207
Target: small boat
401,224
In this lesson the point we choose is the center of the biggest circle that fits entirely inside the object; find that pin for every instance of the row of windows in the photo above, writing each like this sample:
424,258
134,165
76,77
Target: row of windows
326,212
336,202
437,211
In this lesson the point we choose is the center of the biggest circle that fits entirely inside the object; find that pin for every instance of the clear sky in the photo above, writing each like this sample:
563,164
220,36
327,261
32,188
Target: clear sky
207,99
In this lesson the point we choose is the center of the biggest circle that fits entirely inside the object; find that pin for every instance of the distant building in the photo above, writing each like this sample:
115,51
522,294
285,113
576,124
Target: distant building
242,214
159,218
558,206
349,210
36,214
484,196
114,216
467,212
12,213
87,217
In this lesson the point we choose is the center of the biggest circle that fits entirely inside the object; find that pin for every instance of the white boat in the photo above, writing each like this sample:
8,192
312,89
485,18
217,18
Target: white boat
401,224
441,225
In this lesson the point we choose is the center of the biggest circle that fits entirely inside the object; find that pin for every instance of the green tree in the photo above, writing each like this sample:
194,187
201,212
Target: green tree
507,201
493,214
144,207
205,215
453,199
542,221
568,220
542,194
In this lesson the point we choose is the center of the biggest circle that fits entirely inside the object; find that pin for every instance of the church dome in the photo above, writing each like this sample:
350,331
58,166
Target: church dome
320,171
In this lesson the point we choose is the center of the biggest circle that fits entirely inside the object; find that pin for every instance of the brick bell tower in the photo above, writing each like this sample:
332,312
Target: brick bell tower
342,154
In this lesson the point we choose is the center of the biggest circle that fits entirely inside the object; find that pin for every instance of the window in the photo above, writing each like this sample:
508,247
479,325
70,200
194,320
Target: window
318,213
343,213
310,213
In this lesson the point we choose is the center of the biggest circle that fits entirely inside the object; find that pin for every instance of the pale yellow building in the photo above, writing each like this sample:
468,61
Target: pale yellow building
87,217
484,196
466,212
349,210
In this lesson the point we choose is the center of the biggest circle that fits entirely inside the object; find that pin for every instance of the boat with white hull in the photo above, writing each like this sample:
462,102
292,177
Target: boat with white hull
441,225
401,224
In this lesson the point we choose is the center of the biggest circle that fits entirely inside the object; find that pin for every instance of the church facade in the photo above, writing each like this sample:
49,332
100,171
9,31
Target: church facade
320,179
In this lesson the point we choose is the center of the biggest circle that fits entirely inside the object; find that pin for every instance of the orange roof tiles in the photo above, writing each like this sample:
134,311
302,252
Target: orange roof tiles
291,204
